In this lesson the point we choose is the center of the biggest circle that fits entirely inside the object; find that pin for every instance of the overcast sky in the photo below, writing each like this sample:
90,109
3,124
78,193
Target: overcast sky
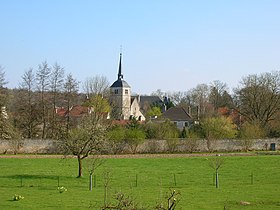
171,45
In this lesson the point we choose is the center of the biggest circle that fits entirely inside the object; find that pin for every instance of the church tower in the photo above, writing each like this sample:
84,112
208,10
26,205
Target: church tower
120,96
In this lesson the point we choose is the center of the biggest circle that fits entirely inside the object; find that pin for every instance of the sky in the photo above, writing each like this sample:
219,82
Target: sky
172,45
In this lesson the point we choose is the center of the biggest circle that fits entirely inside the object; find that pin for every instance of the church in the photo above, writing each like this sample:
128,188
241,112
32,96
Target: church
125,106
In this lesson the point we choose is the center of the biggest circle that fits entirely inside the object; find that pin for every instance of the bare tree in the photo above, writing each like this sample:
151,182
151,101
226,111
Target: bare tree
56,86
3,90
96,85
27,119
258,98
159,93
199,100
70,91
179,98
43,85
217,91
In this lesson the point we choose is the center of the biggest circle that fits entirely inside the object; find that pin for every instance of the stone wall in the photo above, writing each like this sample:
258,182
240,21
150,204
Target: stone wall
49,146
226,145
29,146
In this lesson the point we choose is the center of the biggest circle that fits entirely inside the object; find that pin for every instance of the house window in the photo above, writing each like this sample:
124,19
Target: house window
116,91
186,124
126,91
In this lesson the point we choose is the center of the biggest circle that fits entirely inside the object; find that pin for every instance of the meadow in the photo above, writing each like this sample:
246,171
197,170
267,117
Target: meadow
252,179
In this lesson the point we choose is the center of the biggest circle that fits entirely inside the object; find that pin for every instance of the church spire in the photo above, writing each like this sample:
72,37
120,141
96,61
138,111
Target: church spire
120,76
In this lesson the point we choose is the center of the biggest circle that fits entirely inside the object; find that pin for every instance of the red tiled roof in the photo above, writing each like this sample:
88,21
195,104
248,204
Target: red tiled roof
75,111
61,112
78,111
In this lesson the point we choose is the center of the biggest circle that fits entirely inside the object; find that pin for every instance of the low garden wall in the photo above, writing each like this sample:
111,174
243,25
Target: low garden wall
49,146
29,146
202,145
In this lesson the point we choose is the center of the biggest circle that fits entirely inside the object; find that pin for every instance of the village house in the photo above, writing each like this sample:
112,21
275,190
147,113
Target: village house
179,116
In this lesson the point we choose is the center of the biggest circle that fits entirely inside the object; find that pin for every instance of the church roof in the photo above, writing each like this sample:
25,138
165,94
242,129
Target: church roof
120,81
151,100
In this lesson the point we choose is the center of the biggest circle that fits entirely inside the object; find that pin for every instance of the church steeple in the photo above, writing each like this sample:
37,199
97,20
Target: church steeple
120,76
120,81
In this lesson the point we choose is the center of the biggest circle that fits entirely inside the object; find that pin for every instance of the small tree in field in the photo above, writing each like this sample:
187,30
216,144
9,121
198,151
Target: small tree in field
92,164
215,164
90,137
81,142
171,201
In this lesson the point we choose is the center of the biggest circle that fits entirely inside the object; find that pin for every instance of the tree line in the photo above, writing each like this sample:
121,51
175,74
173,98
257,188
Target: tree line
31,108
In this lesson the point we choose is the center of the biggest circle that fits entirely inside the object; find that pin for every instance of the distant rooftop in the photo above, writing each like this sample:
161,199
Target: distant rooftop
177,114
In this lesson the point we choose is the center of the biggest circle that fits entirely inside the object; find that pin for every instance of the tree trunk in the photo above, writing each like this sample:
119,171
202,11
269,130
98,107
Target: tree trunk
80,166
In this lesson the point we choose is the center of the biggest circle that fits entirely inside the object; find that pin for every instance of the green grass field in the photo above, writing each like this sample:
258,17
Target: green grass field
146,180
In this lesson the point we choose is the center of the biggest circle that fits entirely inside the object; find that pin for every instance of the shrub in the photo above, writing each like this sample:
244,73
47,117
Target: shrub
191,144
251,131
218,128
164,130
116,137
248,132
134,137
172,145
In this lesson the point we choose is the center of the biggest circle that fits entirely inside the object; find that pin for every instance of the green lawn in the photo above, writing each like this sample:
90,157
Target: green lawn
146,180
